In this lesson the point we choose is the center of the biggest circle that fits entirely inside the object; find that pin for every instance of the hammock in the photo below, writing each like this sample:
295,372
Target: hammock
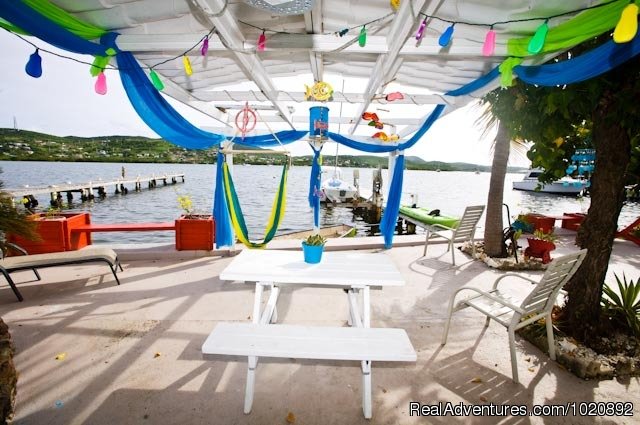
235,211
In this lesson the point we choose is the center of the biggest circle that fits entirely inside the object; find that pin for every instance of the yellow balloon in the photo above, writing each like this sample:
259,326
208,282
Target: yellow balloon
395,4
627,25
187,65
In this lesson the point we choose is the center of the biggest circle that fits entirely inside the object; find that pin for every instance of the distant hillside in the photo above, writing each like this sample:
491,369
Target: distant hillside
23,145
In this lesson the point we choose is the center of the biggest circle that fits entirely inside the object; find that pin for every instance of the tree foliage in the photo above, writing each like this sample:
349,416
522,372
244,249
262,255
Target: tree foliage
602,113
12,220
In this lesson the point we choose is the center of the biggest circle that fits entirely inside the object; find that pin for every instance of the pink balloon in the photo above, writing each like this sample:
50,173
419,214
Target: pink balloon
489,45
101,84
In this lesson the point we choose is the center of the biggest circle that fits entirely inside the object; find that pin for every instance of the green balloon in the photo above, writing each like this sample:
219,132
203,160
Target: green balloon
537,41
362,38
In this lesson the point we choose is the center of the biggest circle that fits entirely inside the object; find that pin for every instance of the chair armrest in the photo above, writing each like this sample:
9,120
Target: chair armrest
442,226
492,297
495,284
17,248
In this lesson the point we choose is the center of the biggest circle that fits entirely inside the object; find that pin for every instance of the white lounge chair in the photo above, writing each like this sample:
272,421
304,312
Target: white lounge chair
465,230
513,315
38,261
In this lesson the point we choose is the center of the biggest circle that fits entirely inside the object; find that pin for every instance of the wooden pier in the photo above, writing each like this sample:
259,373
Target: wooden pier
91,189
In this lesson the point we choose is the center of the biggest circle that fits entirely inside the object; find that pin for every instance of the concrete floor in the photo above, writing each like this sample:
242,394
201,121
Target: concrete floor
132,352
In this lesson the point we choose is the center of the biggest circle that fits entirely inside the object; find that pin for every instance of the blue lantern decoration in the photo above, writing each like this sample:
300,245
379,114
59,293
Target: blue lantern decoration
319,121
34,66
445,38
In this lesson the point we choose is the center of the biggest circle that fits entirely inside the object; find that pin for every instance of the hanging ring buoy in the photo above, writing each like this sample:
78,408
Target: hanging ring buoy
246,120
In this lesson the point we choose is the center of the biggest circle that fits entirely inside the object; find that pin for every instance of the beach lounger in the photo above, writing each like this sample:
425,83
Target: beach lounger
34,262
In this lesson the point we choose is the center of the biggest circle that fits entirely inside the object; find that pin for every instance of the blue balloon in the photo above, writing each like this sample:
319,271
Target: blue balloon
34,66
445,38
565,184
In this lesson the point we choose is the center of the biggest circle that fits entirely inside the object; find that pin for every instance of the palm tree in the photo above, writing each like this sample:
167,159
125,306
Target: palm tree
494,245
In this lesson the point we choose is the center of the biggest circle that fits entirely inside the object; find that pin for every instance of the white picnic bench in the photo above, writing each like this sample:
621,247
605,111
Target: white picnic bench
354,271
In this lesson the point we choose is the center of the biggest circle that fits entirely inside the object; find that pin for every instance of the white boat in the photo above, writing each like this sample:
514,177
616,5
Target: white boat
565,186
337,190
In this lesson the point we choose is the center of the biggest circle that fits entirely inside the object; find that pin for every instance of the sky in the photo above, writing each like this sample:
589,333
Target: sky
63,102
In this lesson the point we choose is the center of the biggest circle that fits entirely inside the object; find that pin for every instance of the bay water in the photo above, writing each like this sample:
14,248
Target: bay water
256,185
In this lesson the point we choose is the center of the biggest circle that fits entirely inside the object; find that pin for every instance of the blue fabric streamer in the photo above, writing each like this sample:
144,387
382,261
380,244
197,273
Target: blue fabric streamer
390,215
224,232
389,147
476,84
270,140
156,112
24,17
314,186
588,65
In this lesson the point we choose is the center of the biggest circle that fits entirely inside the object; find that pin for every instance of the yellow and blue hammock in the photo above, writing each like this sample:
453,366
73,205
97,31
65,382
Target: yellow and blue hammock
235,211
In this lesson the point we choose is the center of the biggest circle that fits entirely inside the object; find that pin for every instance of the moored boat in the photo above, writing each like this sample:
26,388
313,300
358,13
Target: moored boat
565,186
337,190
335,231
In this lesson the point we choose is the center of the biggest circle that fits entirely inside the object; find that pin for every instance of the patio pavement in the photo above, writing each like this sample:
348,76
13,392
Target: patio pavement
133,351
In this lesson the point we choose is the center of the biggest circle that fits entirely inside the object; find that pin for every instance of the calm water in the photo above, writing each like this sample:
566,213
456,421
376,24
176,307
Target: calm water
256,186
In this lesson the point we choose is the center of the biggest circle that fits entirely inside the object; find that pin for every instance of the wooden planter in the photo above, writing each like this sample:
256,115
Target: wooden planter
194,233
55,234
539,249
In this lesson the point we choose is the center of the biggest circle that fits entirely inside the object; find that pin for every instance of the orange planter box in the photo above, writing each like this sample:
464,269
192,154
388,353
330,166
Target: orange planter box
56,234
195,233
541,222
572,220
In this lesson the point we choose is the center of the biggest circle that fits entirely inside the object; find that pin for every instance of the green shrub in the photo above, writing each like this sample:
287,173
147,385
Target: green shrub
315,240
625,302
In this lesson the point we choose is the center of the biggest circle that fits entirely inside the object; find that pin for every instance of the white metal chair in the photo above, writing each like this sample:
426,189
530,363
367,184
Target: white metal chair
465,230
513,315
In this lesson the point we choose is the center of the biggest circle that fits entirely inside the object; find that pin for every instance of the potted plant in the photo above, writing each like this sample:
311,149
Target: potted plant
54,229
312,247
541,245
193,231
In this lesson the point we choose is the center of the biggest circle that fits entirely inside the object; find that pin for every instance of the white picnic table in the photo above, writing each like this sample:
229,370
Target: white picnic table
355,272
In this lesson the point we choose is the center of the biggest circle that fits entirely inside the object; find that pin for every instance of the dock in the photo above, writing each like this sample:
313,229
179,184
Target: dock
91,189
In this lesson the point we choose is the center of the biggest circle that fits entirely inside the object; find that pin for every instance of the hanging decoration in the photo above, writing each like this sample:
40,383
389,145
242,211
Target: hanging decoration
396,95
537,41
445,38
421,28
386,138
320,91
101,84
395,4
343,32
187,65
245,120
283,7
205,46
34,65
627,26
156,81
261,42
489,46
362,38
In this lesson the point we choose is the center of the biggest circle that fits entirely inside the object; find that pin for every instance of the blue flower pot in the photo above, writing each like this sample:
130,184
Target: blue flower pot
312,253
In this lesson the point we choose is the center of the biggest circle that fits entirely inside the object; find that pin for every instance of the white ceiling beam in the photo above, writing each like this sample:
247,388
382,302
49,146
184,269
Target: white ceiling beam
176,92
313,25
403,24
171,44
249,62
299,97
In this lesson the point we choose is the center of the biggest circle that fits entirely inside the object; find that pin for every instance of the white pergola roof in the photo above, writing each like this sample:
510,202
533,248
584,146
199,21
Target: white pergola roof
306,48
